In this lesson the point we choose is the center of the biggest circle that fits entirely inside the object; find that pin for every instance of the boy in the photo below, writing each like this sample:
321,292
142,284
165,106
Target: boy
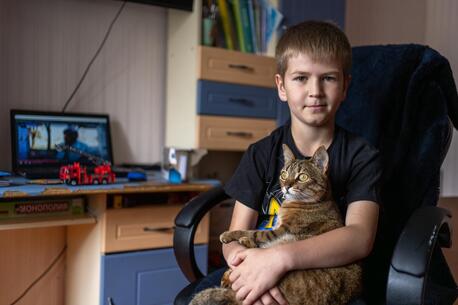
313,63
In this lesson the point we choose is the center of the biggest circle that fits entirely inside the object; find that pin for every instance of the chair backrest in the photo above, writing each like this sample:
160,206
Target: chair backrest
400,99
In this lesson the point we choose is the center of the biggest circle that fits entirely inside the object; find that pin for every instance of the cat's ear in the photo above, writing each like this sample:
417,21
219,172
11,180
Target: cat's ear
321,159
288,155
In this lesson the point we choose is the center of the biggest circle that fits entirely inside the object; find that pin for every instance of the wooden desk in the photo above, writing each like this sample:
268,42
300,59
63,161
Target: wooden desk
91,254
451,255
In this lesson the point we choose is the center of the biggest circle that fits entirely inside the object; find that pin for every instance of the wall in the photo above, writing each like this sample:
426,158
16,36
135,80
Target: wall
440,33
411,21
45,45
382,22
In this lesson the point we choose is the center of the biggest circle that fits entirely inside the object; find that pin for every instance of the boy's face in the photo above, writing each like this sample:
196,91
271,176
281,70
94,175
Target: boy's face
313,90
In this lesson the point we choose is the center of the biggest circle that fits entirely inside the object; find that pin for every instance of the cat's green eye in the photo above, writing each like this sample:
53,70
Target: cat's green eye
303,178
283,175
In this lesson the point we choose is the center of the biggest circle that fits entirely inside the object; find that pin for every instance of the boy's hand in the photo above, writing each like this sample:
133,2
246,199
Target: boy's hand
255,272
272,297
235,248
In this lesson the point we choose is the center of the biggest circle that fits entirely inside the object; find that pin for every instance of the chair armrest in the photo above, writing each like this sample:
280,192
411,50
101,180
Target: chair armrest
186,223
427,228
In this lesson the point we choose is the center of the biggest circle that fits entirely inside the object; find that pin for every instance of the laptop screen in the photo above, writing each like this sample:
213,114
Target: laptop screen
43,141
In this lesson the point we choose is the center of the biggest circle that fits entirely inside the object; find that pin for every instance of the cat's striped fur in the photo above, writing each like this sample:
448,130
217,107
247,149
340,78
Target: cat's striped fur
308,210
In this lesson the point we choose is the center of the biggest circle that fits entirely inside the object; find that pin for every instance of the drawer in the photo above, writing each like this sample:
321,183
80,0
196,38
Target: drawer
225,133
236,67
144,277
215,98
144,228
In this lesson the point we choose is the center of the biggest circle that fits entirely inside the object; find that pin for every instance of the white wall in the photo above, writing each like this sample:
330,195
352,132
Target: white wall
45,45
428,22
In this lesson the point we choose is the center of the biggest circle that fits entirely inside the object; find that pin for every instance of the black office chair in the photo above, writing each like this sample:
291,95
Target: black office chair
402,99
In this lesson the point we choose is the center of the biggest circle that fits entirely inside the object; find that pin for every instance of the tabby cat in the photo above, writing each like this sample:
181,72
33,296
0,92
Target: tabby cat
307,210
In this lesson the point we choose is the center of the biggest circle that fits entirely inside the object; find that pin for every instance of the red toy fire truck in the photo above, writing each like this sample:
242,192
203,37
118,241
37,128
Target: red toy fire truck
76,174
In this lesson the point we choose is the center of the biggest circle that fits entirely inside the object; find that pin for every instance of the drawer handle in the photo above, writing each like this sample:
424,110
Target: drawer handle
159,230
242,101
241,67
240,134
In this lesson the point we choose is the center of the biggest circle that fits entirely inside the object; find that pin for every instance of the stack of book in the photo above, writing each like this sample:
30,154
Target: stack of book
242,25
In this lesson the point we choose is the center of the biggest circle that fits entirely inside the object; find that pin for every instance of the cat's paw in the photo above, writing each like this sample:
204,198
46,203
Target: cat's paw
225,282
226,237
247,242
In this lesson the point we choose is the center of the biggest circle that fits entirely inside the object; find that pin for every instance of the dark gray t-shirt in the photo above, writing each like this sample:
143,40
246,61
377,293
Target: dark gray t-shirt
354,172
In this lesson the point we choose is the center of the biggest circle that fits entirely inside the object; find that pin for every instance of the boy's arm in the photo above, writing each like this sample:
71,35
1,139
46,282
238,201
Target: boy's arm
338,247
243,218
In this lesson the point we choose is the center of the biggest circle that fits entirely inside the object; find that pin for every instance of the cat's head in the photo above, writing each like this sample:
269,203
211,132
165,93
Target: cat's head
304,180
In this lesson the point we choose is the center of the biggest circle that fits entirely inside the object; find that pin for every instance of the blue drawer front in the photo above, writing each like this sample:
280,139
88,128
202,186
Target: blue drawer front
145,277
216,98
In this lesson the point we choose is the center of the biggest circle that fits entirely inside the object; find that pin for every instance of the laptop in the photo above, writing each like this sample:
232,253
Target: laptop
42,142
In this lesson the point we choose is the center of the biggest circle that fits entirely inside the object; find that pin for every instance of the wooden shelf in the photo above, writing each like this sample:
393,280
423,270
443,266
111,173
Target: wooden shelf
49,221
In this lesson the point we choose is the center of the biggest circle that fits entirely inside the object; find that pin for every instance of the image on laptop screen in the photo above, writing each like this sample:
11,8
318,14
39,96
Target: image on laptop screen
43,141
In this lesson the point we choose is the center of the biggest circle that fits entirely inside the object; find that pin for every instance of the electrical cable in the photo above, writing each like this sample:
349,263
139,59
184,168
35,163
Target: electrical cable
121,8
41,275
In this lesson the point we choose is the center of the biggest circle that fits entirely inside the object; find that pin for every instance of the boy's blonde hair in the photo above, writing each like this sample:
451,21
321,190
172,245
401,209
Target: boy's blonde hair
322,41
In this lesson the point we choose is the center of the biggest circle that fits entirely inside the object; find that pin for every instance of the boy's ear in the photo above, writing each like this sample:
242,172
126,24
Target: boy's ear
280,88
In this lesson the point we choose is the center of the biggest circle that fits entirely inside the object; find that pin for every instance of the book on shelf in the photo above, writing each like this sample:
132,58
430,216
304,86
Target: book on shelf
228,24
263,17
238,23
34,207
252,26
242,25
246,26
257,25
273,20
